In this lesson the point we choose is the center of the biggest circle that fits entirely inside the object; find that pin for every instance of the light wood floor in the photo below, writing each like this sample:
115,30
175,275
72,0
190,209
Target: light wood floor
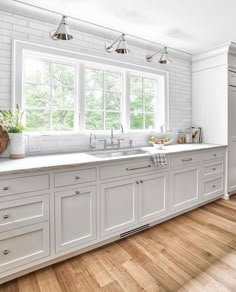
193,252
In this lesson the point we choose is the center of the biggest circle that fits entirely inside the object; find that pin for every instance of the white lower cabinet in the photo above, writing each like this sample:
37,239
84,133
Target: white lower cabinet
153,193
185,184
118,205
23,245
75,217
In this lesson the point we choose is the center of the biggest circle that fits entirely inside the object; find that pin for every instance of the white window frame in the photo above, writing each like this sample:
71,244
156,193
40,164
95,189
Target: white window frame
102,63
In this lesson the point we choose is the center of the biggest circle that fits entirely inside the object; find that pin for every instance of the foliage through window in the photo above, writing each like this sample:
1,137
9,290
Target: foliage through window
143,97
103,92
49,89
61,94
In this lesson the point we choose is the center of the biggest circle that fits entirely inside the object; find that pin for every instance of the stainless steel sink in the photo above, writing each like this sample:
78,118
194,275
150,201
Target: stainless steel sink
118,153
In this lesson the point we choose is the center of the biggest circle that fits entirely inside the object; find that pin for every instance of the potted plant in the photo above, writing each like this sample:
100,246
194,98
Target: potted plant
12,122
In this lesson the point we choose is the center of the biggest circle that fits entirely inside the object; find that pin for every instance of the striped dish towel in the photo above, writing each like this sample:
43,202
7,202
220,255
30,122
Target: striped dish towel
159,159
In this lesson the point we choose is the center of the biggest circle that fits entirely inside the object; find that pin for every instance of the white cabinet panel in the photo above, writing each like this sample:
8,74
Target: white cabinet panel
153,197
232,139
213,187
75,217
23,245
185,187
21,212
118,205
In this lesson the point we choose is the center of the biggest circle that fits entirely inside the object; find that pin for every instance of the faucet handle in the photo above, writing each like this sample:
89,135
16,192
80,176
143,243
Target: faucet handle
104,141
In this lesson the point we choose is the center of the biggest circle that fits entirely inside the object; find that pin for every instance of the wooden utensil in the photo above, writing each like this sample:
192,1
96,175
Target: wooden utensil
4,139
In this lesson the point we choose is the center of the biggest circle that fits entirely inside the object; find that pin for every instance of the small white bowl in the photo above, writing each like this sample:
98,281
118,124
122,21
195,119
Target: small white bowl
158,146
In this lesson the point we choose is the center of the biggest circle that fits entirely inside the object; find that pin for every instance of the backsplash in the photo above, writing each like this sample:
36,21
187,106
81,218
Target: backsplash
14,26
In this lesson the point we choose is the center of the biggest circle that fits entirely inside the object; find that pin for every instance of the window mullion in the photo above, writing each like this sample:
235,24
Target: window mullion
80,84
51,93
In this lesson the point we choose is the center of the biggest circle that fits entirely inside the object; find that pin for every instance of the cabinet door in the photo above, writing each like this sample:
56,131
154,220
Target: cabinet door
118,206
153,197
75,217
232,139
185,187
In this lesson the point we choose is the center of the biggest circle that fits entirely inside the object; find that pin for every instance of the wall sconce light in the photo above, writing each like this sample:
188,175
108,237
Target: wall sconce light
163,59
62,32
122,47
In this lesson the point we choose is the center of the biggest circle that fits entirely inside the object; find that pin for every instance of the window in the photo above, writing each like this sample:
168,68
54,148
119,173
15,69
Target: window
143,100
103,94
49,93
63,93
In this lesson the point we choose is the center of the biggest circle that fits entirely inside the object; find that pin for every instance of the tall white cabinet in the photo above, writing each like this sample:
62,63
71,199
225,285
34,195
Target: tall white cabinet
214,102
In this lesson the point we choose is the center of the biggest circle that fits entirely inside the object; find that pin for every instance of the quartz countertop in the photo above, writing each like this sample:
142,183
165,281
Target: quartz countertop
47,162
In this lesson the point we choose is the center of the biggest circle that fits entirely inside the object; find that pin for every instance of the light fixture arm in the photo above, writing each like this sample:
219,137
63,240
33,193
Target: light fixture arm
109,48
149,57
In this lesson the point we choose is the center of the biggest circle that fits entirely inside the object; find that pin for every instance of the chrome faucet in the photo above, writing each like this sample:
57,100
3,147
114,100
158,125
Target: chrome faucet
92,146
112,139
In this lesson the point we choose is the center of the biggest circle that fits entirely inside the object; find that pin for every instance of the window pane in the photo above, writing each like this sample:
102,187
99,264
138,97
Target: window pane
149,102
136,121
94,121
113,101
63,74
94,99
37,120
136,103
62,120
149,121
63,97
136,84
37,95
149,86
93,79
36,71
112,119
112,81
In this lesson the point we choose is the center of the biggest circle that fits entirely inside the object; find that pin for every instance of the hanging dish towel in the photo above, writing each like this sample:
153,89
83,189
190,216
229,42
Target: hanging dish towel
159,159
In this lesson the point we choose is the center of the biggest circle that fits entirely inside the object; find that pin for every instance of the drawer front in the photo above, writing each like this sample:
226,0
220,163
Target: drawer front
75,177
24,184
232,78
23,245
213,187
118,170
183,160
22,212
216,154
214,168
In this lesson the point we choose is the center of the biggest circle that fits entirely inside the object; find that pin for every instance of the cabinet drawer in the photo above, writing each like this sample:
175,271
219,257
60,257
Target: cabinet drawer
213,168
127,169
216,154
213,186
75,177
22,212
19,185
232,78
23,245
187,159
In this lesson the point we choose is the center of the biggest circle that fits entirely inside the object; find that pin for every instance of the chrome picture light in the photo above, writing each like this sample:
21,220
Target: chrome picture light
62,32
122,47
163,59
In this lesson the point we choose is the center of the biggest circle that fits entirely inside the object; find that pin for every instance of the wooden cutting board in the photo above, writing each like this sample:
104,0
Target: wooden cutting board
4,139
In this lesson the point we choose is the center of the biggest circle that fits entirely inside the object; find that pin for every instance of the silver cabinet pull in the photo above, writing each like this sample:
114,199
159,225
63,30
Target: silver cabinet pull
213,186
187,159
137,182
215,154
6,251
141,181
6,188
214,169
141,167
6,216
77,177
77,192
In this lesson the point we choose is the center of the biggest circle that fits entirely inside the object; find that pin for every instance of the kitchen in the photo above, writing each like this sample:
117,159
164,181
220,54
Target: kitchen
118,153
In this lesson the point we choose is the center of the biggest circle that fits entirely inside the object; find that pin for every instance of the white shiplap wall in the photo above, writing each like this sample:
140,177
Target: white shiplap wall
14,26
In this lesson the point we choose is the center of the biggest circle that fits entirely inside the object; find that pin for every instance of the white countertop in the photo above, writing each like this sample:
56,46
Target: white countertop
47,162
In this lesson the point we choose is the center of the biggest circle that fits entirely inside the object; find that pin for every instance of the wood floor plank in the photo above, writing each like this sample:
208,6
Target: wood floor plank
195,252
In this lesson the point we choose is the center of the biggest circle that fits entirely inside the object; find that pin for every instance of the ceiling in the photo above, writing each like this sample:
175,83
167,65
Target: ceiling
189,25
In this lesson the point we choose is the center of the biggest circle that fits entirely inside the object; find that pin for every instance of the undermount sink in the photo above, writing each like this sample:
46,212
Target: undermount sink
118,153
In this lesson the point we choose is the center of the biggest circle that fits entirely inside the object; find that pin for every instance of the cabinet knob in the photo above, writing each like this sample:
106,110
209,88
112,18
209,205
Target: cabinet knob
141,181
77,192
137,182
214,154
6,251
6,216
214,169
6,188
213,186
77,177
